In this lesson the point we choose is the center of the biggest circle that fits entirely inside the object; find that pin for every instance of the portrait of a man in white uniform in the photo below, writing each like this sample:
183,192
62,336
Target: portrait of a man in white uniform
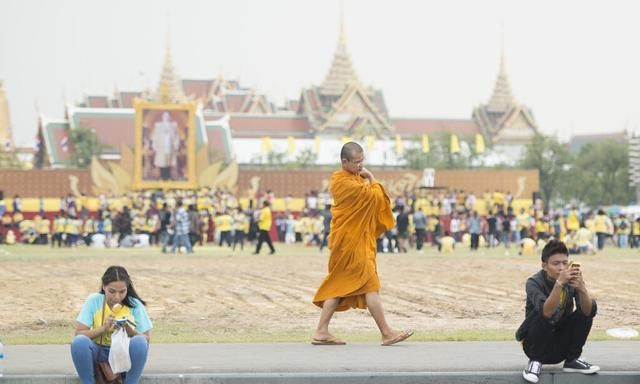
165,142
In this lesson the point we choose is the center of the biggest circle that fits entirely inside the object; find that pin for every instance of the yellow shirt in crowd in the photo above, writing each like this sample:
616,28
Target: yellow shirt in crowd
264,224
224,223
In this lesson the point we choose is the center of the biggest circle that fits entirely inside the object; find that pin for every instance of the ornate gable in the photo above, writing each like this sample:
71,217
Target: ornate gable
517,127
354,114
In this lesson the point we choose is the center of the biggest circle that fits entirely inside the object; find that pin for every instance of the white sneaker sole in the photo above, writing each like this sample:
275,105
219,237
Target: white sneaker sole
530,377
590,371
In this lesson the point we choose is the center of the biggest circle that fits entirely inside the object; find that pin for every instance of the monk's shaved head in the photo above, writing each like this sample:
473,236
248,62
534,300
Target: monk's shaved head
349,150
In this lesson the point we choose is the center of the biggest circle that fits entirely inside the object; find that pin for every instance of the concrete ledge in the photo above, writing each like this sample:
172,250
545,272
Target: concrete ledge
608,377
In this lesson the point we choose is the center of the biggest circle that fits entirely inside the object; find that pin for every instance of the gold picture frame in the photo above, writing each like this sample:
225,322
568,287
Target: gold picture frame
165,146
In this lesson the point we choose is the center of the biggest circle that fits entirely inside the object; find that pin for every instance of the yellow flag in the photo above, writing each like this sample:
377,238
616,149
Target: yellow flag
317,144
346,139
479,143
455,144
267,145
371,141
399,145
425,143
291,145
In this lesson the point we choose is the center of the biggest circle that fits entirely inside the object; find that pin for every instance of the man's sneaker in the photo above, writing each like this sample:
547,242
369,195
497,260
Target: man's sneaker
532,373
580,366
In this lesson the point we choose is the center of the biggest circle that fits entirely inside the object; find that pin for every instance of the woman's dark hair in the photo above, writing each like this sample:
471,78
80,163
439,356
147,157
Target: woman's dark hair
118,273
553,247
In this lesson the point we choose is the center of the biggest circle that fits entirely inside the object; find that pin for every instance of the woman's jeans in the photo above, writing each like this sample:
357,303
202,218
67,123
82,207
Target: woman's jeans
84,353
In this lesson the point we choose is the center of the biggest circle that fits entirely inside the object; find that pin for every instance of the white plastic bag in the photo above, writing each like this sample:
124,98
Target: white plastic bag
119,358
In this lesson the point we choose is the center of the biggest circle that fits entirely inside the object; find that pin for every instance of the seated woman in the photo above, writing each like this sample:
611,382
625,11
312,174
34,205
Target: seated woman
96,322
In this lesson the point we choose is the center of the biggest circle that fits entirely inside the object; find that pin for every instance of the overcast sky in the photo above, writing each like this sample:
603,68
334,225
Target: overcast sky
576,64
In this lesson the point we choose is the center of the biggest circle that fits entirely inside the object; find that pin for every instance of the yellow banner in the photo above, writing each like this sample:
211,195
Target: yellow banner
479,143
267,145
455,144
371,142
291,145
425,143
399,145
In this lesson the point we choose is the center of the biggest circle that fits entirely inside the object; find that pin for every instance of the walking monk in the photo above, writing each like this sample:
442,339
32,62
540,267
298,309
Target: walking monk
361,212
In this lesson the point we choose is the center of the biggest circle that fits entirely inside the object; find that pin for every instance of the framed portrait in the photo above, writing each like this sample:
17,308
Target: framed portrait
165,146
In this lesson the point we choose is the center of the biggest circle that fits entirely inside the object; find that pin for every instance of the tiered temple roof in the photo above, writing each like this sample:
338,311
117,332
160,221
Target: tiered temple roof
342,105
503,120
341,74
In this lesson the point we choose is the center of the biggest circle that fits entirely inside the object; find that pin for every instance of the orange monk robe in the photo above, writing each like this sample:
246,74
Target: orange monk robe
361,212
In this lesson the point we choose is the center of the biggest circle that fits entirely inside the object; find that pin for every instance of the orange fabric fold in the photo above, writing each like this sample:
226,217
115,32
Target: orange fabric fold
361,212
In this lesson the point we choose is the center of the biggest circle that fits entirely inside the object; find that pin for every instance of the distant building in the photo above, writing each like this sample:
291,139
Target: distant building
239,123
508,125
577,142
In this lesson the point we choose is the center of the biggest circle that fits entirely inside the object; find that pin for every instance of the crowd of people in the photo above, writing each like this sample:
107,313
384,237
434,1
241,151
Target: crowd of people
583,232
442,220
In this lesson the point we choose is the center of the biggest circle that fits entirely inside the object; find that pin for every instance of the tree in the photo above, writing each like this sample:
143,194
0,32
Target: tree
305,158
85,144
600,174
551,159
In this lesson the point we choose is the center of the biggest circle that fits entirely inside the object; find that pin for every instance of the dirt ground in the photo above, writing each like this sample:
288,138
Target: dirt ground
231,292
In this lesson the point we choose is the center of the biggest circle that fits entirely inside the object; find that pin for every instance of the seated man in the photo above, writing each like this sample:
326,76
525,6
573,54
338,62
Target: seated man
570,242
584,241
527,247
11,237
446,243
552,331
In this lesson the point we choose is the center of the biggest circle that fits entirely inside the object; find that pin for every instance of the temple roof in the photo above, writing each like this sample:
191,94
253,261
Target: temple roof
197,89
97,102
221,95
276,126
503,120
341,74
502,97
169,86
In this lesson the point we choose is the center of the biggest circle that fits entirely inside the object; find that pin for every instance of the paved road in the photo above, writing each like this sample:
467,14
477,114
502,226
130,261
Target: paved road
305,358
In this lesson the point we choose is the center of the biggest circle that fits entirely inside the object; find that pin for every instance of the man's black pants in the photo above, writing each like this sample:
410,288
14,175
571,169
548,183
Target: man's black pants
550,345
264,237
420,233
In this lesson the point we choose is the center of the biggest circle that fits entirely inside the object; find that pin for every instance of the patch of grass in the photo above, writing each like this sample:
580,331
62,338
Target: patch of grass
184,332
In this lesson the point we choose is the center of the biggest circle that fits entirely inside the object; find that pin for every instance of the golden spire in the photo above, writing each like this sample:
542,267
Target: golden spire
341,40
502,97
341,73
6,138
169,87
